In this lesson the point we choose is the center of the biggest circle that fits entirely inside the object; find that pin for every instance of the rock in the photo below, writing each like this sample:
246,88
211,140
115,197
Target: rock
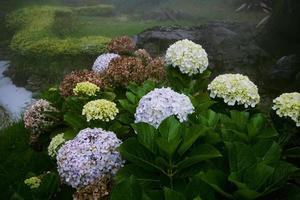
231,46
284,75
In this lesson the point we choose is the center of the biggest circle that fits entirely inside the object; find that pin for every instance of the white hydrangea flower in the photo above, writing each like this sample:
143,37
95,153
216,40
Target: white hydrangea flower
161,103
288,105
102,62
234,89
190,57
54,145
91,155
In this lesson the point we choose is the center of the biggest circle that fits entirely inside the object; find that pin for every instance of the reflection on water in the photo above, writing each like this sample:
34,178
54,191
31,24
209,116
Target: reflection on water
14,99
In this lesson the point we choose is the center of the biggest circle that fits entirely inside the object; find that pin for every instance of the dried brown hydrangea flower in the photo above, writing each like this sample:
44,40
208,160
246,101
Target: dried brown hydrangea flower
156,70
144,55
121,45
98,190
124,70
70,81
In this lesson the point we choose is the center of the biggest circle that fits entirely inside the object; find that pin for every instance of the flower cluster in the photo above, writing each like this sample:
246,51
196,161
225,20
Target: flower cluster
86,88
33,182
102,62
100,109
190,57
35,118
144,55
71,80
288,105
235,89
91,155
124,70
55,144
121,45
161,103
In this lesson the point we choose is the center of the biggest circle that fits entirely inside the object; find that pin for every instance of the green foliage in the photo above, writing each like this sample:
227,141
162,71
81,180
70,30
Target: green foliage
97,10
34,35
18,161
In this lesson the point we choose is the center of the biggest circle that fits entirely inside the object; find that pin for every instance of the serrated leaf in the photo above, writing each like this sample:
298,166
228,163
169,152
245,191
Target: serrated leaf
146,135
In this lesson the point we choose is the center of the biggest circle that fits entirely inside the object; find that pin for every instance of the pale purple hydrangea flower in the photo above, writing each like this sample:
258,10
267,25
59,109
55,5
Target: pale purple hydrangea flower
102,62
91,155
161,103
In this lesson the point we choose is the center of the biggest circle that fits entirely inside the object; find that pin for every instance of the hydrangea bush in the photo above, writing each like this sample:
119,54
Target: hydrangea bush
235,89
161,103
100,109
102,62
288,105
86,88
188,56
91,155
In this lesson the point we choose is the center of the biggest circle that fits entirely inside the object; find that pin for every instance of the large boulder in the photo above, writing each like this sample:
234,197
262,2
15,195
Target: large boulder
231,47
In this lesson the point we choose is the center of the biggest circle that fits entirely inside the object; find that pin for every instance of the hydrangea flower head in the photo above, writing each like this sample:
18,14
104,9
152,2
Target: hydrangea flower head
55,144
91,155
188,56
86,88
288,105
100,109
35,118
102,62
161,103
33,182
234,89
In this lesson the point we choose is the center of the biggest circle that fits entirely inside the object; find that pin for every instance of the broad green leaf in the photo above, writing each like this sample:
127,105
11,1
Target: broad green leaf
108,95
128,189
209,118
127,106
217,180
190,135
246,194
196,188
146,135
170,129
268,151
131,150
199,153
131,97
255,125
256,176
240,156
75,121
172,195
240,119
293,152
167,148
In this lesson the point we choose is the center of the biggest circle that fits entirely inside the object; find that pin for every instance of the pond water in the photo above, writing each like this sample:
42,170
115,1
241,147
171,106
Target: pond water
14,99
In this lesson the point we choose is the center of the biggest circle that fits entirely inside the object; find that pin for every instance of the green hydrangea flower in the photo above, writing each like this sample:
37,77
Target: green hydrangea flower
55,144
33,182
101,109
288,105
86,88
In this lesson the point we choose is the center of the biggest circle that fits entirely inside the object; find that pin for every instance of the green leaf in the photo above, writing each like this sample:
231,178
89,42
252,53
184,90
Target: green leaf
293,152
146,135
127,106
190,136
131,150
167,148
128,189
209,118
108,96
246,194
217,180
196,188
170,129
75,121
268,151
131,97
172,195
255,125
240,156
240,119
199,153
